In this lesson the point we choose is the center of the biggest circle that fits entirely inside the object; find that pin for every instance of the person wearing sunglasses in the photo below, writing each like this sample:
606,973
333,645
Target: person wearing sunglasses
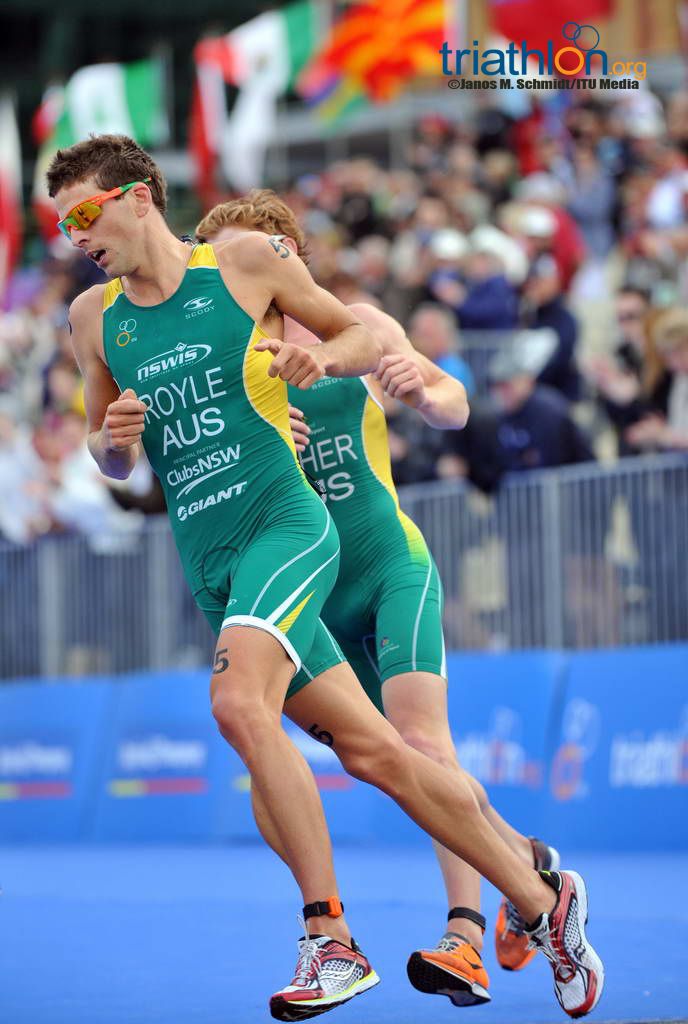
179,355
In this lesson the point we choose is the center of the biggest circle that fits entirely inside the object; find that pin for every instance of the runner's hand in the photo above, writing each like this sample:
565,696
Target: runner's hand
292,363
299,428
124,422
401,378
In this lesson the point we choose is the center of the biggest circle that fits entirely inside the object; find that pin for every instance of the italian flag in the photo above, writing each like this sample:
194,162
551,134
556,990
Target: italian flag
10,193
263,58
122,99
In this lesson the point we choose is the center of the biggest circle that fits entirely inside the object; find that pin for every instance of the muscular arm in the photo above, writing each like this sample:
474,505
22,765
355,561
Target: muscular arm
276,275
411,377
113,444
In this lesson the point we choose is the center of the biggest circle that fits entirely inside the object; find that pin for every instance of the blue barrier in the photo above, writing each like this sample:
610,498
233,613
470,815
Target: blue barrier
619,774
51,738
588,749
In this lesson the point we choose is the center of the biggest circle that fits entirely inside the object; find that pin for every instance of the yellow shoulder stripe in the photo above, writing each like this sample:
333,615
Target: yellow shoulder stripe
113,289
203,256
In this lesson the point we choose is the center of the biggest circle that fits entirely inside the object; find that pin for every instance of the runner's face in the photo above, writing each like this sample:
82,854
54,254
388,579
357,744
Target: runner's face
109,239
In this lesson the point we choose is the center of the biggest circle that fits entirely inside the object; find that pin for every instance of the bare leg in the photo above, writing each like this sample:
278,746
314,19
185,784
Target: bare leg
248,688
442,803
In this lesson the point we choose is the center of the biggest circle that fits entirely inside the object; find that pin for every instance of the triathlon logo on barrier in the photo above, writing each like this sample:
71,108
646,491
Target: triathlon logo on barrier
580,738
653,760
498,757
559,64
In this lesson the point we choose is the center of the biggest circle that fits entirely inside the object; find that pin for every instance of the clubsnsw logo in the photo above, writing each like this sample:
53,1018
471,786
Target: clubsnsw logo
197,472
180,355
198,307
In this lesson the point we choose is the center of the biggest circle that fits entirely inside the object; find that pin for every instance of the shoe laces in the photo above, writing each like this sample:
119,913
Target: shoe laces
555,952
514,921
447,944
309,960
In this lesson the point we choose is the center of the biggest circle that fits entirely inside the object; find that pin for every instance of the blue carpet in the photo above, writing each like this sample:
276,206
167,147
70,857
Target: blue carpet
203,935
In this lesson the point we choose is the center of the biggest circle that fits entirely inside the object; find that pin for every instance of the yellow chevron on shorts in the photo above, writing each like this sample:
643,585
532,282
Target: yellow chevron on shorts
376,448
203,255
113,290
288,621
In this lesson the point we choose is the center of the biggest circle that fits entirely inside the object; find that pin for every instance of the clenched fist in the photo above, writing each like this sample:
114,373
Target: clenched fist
123,423
299,428
292,363
401,378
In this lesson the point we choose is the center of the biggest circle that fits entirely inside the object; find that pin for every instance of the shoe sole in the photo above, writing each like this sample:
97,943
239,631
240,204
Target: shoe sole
433,980
592,962
288,1010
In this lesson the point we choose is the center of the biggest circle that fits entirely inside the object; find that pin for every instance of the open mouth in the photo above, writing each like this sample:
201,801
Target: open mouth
96,255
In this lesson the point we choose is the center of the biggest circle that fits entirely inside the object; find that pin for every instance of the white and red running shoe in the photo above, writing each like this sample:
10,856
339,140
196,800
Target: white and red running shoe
560,936
328,973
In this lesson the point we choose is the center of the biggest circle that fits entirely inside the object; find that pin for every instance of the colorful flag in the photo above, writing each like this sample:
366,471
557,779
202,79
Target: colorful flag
126,99
262,58
10,192
374,49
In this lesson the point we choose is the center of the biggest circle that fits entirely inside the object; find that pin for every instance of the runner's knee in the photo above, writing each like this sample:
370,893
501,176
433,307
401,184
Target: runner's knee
243,719
377,759
437,748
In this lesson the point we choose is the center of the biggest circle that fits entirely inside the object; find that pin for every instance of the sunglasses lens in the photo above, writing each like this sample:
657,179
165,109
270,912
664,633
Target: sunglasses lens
81,217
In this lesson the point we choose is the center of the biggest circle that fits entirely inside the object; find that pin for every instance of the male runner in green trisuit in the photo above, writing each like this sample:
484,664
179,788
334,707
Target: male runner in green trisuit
385,610
182,328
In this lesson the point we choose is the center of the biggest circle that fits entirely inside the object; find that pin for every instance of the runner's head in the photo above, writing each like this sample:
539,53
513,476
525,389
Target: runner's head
109,193
259,210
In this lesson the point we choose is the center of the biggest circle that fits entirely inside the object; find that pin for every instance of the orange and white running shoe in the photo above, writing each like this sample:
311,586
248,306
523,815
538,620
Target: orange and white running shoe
513,949
328,973
560,935
454,968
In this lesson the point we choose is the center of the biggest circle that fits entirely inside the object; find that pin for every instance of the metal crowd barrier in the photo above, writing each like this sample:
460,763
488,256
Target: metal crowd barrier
580,557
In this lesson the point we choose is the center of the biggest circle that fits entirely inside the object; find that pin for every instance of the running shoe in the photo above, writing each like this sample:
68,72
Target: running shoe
578,971
454,968
328,973
511,942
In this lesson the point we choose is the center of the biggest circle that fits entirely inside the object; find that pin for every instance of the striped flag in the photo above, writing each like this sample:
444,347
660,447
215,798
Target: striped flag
127,99
10,193
263,58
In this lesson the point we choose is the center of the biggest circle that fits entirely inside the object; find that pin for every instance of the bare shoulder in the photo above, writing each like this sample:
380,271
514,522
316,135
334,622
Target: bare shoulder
85,324
87,305
249,251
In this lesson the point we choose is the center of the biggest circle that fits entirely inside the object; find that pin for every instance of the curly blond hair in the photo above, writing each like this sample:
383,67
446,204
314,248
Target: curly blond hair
261,209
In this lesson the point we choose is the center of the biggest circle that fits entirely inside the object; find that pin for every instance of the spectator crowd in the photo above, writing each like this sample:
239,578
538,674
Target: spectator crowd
539,259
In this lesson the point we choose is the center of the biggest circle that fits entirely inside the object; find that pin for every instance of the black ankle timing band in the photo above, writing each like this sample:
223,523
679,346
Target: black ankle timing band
469,915
324,908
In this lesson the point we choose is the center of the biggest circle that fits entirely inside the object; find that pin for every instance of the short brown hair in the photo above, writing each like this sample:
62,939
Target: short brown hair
112,160
261,209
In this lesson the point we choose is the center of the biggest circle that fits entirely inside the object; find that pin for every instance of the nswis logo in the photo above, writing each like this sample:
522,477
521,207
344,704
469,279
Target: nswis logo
180,355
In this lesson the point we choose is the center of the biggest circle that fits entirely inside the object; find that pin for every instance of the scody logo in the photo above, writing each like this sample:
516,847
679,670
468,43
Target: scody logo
180,355
197,307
